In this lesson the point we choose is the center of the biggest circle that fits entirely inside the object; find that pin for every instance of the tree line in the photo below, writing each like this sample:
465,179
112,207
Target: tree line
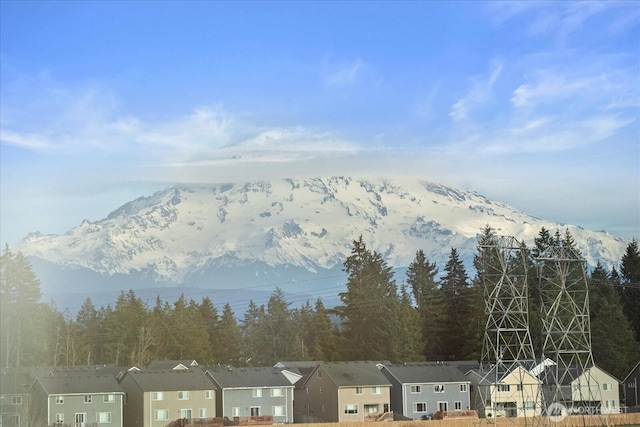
429,316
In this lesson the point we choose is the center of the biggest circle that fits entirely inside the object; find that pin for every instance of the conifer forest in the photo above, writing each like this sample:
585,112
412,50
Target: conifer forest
432,313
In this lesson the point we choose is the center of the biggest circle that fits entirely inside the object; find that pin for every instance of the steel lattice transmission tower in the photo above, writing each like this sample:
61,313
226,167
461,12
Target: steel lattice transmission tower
507,348
564,295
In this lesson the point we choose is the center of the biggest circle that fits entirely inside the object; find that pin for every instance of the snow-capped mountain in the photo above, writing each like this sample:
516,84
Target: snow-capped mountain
190,235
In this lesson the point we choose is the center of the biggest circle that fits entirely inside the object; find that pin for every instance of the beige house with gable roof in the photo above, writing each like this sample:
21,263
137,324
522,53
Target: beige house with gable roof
516,393
155,398
343,392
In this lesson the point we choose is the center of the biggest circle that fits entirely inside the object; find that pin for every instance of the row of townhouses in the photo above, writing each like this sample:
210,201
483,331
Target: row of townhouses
183,393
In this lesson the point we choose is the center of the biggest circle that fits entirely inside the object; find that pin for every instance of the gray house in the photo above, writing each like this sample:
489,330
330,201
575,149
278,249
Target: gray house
14,397
77,400
252,394
631,384
155,398
422,388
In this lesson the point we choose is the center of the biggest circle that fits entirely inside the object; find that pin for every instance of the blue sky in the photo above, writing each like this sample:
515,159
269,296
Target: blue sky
535,104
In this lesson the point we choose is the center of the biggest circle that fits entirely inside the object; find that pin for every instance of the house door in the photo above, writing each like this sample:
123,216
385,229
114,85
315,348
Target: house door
511,409
443,406
255,411
185,414
80,419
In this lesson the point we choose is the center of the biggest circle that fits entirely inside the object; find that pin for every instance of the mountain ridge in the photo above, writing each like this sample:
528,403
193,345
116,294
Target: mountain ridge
185,232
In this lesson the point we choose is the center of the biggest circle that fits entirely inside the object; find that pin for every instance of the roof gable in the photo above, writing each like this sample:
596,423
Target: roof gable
426,372
170,380
227,377
631,372
79,384
353,374
173,364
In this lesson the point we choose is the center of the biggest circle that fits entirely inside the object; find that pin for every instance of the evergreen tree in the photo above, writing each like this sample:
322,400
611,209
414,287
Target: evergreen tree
20,331
421,278
125,325
321,336
277,324
254,335
367,305
229,338
630,290
188,337
610,329
160,318
89,331
455,289
208,317
407,340
302,319
53,336
542,242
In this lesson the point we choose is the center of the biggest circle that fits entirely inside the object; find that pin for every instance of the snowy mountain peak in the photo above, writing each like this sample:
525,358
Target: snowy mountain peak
180,233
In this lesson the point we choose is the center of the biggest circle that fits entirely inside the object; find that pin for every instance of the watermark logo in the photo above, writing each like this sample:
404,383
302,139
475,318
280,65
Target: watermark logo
557,412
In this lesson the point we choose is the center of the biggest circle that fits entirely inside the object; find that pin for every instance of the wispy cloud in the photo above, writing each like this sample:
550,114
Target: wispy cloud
554,135
560,20
89,120
344,73
547,86
478,94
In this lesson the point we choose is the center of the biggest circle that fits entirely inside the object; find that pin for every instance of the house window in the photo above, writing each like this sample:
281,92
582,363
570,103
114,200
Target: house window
278,411
519,387
529,405
59,400
109,398
157,395
103,417
376,390
161,414
16,400
323,407
81,418
504,387
87,398
320,390
415,389
59,418
319,373
257,392
351,408
183,395
277,392
358,390
235,411
457,405
370,409
419,406
606,386
202,413
463,388
208,394
438,388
